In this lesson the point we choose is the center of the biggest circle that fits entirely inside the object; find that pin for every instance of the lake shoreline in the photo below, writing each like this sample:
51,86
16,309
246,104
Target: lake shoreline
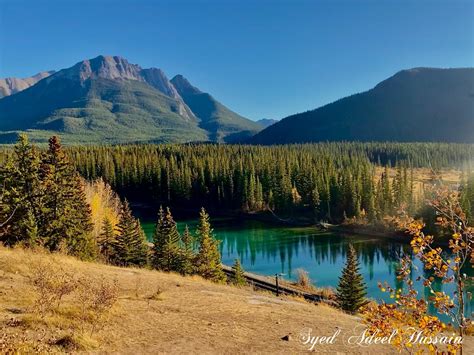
273,220
339,228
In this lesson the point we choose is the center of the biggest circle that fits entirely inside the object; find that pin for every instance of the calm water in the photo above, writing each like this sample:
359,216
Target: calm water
267,250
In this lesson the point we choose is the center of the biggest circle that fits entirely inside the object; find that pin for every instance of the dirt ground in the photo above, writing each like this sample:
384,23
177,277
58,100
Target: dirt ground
187,315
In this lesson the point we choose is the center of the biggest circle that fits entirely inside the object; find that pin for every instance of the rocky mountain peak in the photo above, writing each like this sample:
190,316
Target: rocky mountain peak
10,86
107,67
184,86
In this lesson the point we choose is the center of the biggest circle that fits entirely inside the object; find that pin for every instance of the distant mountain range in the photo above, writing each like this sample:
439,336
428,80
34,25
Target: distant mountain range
10,86
422,104
109,100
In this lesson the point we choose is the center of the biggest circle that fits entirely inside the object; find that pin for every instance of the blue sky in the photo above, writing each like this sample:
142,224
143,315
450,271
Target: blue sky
261,58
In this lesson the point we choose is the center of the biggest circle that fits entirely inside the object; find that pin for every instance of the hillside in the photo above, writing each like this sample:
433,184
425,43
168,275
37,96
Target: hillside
109,100
417,105
188,315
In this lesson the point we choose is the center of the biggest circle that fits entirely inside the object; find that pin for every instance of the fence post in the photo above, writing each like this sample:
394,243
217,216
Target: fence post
277,287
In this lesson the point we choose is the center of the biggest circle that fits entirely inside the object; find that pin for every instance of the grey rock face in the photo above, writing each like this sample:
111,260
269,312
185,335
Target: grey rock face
118,68
157,78
10,86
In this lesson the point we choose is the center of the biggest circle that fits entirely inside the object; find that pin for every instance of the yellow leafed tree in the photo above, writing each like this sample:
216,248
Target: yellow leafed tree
104,204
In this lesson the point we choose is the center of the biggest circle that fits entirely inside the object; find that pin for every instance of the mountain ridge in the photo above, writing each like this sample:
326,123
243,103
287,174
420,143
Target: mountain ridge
12,85
418,104
106,98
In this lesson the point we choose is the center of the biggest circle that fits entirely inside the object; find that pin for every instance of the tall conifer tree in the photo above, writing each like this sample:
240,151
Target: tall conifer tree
187,256
351,290
22,194
106,240
66,217
130,246
166,249
208,259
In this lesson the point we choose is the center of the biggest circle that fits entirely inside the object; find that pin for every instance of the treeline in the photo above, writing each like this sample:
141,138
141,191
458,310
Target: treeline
45,203
467,196
324,181
328,181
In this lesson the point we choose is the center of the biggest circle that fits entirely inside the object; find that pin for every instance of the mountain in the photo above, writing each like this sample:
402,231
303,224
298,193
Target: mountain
222,123
421,104
10,86
266,122
109,100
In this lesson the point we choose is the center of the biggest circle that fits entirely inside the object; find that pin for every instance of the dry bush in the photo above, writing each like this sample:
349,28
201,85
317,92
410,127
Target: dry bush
95,299
303,280
327,292
51,283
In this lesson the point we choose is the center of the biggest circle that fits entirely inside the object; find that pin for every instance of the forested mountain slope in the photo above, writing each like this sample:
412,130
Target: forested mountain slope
417,105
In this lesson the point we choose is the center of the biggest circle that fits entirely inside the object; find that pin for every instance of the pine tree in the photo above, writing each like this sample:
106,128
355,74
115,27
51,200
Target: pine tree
129,247
106,240
315,202
65,216
166,250
208,259
22,195
238,278
31,236
351,290
187,255
80,241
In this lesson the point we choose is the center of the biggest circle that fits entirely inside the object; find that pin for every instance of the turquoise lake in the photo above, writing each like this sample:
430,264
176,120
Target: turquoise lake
267,249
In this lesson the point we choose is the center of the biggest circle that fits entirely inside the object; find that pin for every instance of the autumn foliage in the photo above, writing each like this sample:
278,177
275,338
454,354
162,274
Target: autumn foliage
408,314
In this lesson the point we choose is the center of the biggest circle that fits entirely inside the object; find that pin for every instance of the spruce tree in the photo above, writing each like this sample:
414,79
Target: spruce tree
80,241
166,249
351,290
208,259
238,278
314,202
187,255
22,195
106,240
129,246
65,217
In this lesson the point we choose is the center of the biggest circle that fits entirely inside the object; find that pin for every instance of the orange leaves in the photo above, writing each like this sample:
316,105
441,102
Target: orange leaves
409,312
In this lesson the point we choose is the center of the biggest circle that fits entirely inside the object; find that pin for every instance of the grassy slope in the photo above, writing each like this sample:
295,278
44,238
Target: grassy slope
191,315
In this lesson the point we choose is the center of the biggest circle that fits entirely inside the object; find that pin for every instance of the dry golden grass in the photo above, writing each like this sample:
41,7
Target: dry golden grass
423,176
449,176
158,313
